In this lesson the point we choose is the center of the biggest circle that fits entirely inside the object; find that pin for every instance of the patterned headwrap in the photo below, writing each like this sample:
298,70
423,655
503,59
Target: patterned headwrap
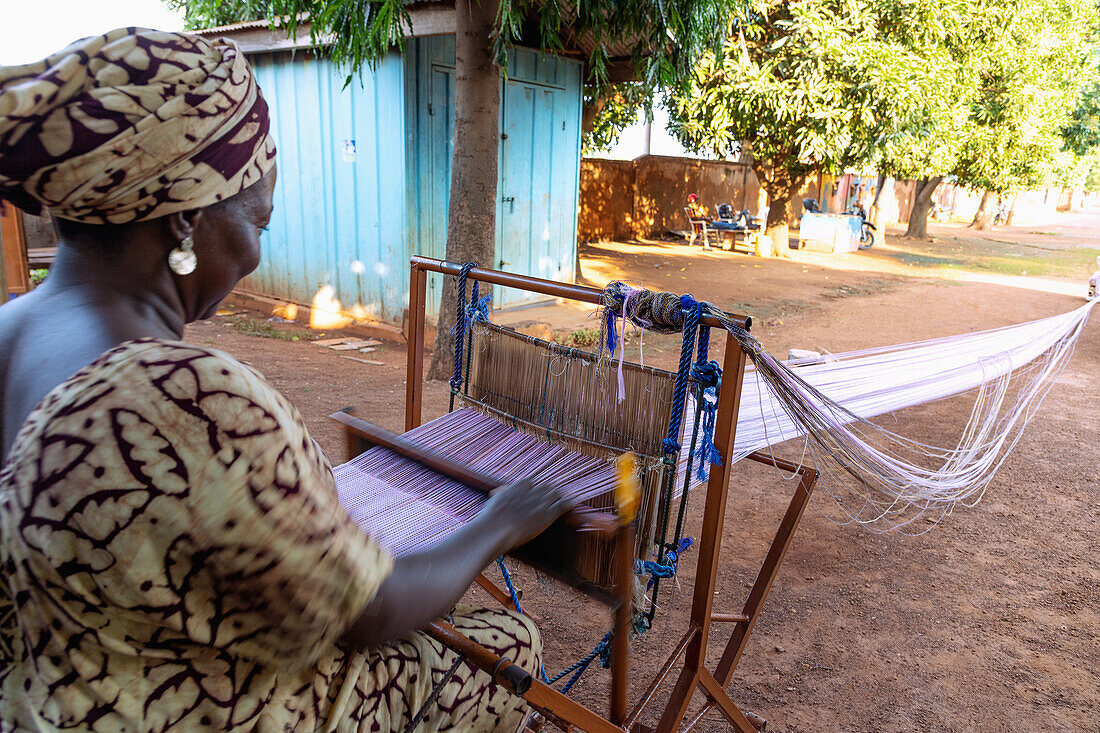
131,125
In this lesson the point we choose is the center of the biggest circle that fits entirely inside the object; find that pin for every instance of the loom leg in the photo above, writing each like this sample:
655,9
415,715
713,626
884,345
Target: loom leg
624,613
717,694
494,590
759,724
731,655
710,538
414,376
659,680
714,685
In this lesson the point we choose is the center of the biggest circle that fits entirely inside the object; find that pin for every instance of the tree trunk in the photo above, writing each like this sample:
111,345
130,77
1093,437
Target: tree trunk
880,210
1011,211
922,204
779,209
983,218
879,185
471,219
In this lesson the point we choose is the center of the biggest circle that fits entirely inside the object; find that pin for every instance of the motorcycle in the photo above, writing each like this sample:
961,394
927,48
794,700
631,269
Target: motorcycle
739,220
866,228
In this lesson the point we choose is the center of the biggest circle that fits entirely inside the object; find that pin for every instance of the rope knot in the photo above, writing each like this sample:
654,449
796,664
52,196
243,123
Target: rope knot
666,569
604,650
479,307
708,374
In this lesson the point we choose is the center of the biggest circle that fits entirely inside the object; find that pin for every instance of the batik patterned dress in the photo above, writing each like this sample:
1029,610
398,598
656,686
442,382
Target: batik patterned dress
174,558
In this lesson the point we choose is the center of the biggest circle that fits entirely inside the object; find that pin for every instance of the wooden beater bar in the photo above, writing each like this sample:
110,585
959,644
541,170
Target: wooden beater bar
694,675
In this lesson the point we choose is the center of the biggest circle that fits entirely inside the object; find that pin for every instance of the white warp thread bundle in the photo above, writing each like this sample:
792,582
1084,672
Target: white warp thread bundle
835,398
830,402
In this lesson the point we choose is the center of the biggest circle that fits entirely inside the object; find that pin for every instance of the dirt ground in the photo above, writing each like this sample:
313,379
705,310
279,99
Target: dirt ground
988,622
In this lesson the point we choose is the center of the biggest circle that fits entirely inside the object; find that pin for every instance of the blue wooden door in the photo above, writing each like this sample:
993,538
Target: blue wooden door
539,161
441,140
536,186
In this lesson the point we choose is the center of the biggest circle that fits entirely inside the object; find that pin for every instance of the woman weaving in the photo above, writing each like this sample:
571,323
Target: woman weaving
173,553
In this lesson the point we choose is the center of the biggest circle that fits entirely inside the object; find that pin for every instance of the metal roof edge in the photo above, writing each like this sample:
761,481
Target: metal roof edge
257,36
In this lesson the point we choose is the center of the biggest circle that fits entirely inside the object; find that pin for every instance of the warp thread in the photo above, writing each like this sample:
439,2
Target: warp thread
838,437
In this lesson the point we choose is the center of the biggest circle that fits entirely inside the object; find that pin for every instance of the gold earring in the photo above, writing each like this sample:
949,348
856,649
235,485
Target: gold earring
182,259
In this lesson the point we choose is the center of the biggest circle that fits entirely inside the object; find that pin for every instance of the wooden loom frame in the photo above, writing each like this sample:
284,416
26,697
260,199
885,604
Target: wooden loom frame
694,676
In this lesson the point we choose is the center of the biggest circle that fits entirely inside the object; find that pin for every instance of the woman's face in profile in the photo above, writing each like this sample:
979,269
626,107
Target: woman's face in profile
227,243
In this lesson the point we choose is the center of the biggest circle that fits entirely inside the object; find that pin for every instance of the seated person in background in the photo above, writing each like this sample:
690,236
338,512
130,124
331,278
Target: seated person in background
173,553
695,209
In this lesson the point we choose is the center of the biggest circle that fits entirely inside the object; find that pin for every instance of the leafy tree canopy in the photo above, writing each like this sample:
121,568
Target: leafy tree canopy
660,39
1025,87
811,85
1082,133
805,86
608,111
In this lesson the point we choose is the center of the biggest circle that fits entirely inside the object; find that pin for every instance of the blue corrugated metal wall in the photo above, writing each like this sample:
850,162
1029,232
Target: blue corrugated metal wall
351,219
339,214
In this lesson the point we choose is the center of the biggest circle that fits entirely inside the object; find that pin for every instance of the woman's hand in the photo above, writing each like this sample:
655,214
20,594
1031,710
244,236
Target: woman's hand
523,510
425,585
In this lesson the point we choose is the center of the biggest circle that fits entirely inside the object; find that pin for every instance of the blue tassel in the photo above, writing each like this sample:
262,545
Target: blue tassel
709,375
612,337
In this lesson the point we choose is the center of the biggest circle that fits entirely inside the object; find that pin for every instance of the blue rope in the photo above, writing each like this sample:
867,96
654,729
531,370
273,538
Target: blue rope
603,647
578,668
602,650
508,584
702,353
459,331
692,310
479,307
519,609
666,569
